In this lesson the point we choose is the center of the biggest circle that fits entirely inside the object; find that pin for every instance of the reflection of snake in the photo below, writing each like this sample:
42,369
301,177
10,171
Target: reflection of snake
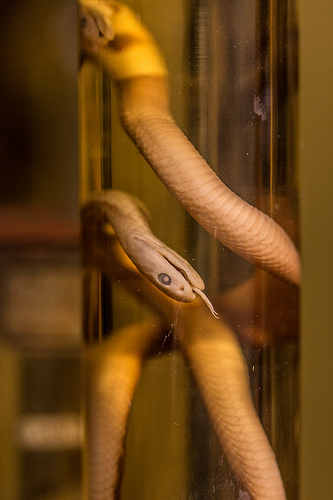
214,357
111,33
116,37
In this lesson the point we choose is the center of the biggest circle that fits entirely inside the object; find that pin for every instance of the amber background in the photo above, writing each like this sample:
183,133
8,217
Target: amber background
316,186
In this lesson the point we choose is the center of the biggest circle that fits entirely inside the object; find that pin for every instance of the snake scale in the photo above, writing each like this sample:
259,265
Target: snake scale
113,35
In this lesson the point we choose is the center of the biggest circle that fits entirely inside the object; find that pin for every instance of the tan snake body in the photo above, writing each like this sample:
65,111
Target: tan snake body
213,354
111,34
126,49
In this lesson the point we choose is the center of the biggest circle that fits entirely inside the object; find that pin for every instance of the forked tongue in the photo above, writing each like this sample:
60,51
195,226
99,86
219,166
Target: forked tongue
206,301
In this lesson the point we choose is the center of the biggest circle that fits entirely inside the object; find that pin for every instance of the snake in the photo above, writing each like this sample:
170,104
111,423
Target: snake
164,267
214,357
112,34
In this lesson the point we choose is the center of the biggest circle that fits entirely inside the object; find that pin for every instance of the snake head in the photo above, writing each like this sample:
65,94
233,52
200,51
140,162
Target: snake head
170,272
95,26
165,275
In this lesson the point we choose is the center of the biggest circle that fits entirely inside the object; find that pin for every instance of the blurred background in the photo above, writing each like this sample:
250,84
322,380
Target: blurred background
40,426
316,187
40,429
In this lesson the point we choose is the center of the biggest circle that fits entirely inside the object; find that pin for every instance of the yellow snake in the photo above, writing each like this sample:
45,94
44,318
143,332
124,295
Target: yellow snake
113,35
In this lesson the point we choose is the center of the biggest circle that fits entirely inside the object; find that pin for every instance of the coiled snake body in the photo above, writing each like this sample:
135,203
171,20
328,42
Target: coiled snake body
111,34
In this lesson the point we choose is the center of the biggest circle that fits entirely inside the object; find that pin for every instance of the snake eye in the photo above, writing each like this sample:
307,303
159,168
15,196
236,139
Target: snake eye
164,279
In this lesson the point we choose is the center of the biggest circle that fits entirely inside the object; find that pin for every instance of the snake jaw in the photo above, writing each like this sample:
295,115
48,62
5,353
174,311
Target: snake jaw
191,276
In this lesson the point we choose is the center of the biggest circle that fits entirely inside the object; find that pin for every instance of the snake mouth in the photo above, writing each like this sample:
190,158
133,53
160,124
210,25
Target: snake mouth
182,266
195,289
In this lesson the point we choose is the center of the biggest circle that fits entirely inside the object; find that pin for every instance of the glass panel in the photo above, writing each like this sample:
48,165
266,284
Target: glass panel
163,365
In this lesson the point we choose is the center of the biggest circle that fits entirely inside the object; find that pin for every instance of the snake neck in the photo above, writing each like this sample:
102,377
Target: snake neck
144,111
140,95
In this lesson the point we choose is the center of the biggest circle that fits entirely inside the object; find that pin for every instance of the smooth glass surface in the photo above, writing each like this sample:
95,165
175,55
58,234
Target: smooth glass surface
233,86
